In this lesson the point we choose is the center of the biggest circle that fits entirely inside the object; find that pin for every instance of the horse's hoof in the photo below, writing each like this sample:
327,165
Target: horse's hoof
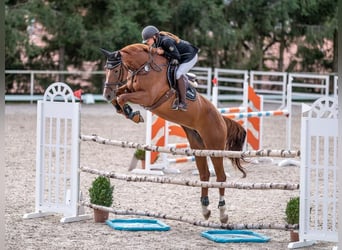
137,118
224,219
207,215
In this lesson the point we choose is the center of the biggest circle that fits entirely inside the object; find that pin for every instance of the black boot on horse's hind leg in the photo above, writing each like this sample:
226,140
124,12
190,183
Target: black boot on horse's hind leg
181,84
205,203
222,208
134,116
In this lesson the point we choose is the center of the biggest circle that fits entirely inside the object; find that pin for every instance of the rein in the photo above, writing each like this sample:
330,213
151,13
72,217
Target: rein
146,66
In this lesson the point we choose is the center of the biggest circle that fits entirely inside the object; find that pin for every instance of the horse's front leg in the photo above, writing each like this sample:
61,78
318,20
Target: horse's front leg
126,109
116,105
134,97
138,97
117,93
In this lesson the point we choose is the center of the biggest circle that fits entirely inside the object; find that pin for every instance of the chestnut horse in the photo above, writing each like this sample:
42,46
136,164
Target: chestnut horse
137,74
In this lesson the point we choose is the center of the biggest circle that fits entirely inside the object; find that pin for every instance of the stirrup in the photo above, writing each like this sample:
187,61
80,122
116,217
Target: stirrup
175,104
182,106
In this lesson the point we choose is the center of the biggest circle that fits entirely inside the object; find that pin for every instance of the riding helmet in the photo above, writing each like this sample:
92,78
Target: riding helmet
148,32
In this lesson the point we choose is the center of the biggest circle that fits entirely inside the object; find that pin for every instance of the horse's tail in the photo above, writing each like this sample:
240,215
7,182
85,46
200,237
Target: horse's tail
236,136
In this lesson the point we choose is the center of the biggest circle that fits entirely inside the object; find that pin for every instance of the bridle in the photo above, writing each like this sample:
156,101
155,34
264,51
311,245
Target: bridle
142,70
111,65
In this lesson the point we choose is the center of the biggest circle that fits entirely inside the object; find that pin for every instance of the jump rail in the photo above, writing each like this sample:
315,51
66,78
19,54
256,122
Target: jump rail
193,152
192,183
193,221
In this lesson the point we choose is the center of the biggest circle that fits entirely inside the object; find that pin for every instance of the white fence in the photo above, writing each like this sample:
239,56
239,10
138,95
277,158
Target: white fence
318,174
272,85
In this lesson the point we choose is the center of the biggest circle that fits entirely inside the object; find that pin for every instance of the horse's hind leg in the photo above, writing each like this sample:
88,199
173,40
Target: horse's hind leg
220,177
202,166
216,139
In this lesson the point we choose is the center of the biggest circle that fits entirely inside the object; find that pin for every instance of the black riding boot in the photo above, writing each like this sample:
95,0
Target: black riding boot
181,83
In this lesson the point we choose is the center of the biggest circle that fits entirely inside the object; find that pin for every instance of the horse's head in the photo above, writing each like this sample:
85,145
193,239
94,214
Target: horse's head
115,74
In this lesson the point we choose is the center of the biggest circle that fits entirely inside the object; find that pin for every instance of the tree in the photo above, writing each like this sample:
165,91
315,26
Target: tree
262,24
230,33
316,22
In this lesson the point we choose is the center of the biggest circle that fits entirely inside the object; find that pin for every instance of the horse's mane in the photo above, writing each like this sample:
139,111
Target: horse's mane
135,48
138,53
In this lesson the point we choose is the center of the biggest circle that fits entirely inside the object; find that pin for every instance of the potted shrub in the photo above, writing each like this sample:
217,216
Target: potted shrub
292,216
140,155
101,193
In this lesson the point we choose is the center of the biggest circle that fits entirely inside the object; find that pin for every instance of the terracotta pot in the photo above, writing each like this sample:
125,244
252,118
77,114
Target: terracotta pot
294,236
100,216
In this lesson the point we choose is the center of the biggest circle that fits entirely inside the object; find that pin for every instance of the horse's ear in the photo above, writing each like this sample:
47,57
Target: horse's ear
117,54
105,52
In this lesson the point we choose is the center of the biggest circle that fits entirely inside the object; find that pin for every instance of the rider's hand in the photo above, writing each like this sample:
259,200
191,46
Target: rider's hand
174,62
160,51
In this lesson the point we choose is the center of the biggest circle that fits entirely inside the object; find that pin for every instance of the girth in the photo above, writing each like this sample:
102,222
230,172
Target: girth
161,100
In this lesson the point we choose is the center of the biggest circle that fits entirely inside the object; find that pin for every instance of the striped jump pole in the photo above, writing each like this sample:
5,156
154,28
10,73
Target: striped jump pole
257,114
181,159
191,182
232,110
195,152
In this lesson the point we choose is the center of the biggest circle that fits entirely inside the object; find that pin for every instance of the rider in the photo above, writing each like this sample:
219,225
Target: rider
179,52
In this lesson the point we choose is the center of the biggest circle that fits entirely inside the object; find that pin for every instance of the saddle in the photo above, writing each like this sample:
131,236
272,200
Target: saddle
191,79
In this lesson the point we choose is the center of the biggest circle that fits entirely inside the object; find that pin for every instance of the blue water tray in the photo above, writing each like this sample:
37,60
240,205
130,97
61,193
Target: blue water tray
138,225
234,236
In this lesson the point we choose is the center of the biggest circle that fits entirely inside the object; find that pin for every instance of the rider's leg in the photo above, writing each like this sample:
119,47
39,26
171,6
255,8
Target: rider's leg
182,81
182,84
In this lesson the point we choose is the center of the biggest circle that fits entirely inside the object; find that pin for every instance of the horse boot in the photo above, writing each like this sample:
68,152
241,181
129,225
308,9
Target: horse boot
117,106
137,117
182,84
134,116
205,211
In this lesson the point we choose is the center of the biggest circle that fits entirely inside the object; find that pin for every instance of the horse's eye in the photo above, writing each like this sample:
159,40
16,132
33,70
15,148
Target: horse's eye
116,71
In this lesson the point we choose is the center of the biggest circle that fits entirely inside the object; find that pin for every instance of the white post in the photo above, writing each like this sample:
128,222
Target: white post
215,94
318,175
59,160
31,87
148,165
